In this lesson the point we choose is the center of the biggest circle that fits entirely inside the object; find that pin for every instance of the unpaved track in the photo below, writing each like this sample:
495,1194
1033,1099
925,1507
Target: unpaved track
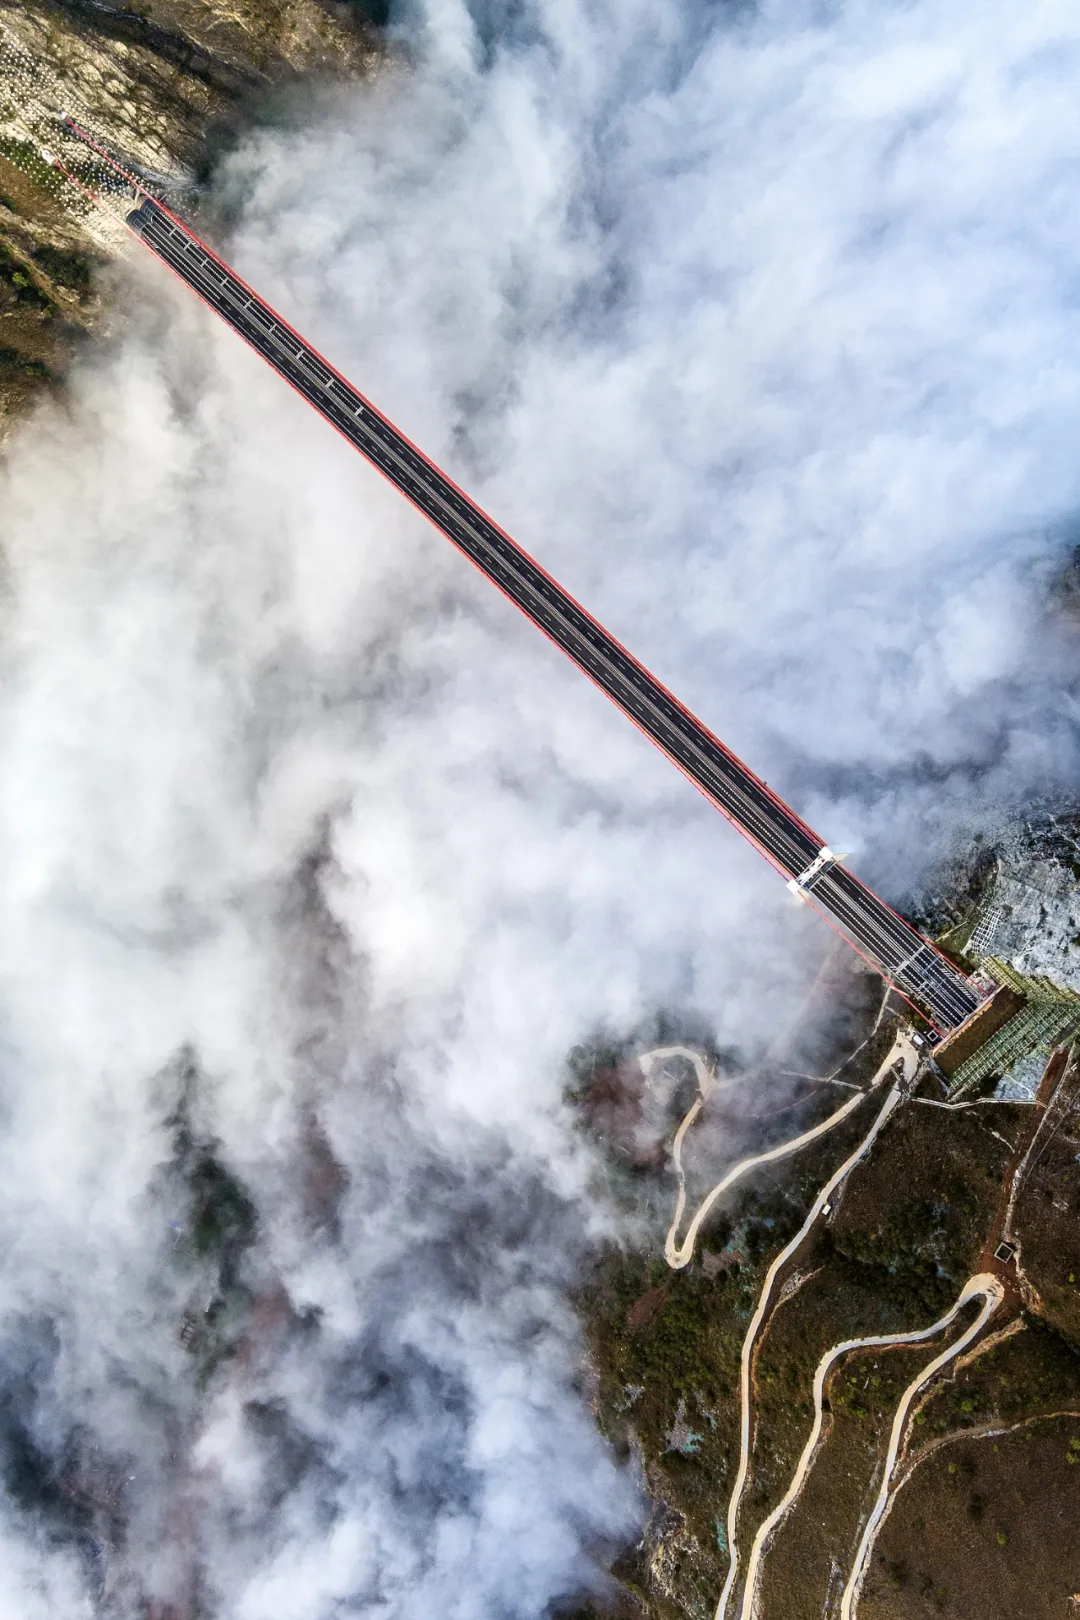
679,1254
751,1597
992,1291
706,1076
902,1050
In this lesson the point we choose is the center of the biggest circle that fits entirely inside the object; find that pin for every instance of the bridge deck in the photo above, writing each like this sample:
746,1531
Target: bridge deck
889,943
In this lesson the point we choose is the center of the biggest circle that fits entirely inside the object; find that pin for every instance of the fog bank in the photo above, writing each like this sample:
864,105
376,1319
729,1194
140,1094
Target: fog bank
759,330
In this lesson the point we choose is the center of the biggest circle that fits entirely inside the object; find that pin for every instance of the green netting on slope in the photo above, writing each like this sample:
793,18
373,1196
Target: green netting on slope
1050,1013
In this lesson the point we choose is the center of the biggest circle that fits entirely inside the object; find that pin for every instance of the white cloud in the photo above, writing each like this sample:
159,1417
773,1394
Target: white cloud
760,331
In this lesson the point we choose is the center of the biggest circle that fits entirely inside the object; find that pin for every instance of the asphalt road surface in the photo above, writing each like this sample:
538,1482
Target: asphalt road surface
890,944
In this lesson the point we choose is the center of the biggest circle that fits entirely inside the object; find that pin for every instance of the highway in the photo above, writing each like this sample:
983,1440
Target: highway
887,942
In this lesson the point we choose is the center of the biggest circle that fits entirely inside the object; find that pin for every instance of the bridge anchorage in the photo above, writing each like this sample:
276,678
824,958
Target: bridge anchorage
909,962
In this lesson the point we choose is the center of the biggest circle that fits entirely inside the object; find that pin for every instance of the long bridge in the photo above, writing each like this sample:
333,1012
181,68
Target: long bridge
888,943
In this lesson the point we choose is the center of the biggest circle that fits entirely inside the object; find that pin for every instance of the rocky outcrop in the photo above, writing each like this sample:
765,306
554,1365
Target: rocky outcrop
160,81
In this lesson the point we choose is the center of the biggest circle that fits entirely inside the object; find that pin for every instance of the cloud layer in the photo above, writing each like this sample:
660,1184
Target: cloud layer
759,329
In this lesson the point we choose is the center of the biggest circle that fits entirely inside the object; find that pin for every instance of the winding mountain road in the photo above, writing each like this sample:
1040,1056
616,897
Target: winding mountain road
901,1051
679,1254
993,1292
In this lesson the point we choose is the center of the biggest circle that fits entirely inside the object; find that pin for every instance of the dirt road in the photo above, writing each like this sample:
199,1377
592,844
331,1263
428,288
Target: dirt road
679,1254
750,1603
901,1051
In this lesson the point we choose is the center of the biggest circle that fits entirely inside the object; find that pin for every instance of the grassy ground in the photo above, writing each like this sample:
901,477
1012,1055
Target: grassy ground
666,1345
986,1527
667,1348
814,1549
1023,1376
917,1213
1047,1222
46,290
905,1236
1032,1372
